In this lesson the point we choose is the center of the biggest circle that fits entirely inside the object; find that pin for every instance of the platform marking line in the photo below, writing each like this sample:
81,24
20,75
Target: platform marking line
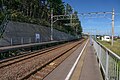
75,64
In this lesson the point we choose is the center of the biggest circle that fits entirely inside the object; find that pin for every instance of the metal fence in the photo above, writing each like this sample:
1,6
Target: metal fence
19,40
108,61
23,33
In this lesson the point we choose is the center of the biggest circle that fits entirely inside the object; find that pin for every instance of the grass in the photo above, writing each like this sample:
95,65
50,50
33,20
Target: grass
115,48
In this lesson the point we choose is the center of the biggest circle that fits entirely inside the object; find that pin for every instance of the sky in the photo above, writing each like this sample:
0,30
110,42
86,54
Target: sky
97,25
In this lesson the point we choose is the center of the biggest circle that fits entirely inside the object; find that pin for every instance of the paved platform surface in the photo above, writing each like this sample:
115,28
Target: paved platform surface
87,68
90,70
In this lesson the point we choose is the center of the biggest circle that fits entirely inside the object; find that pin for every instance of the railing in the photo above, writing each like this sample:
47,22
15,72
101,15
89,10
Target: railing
108,61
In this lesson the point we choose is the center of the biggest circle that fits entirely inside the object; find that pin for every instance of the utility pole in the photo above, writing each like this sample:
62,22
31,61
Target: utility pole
76,30
72,17
65,10
62,17
71,20
55,18
51,36
113,15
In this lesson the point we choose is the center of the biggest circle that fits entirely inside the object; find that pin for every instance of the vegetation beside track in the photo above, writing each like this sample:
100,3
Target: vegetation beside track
115,48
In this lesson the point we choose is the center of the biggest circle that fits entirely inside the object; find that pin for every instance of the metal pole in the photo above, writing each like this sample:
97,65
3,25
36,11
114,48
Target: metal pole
76,31
11,41
22,40
65,10
71,20
72,17
113,15
107,65
30,40
51,37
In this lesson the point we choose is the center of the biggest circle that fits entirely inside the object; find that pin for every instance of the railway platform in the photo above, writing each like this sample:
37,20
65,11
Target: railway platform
87,67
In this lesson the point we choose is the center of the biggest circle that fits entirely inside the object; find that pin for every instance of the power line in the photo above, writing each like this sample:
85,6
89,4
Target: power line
58,17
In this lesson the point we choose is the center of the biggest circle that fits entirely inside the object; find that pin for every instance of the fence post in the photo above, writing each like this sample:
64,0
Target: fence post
29,39
117,71
22,40
107,65
11,41
99,55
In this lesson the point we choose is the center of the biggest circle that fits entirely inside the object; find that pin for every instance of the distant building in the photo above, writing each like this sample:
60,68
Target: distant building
106,38
98,37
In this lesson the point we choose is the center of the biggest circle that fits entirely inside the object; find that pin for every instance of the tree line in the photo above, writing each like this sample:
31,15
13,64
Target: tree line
39,12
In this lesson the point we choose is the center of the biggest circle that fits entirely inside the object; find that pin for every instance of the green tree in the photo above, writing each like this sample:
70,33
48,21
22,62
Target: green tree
38,12
69,9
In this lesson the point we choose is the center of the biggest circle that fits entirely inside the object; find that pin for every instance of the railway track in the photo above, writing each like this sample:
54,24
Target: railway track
36,66
19,58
